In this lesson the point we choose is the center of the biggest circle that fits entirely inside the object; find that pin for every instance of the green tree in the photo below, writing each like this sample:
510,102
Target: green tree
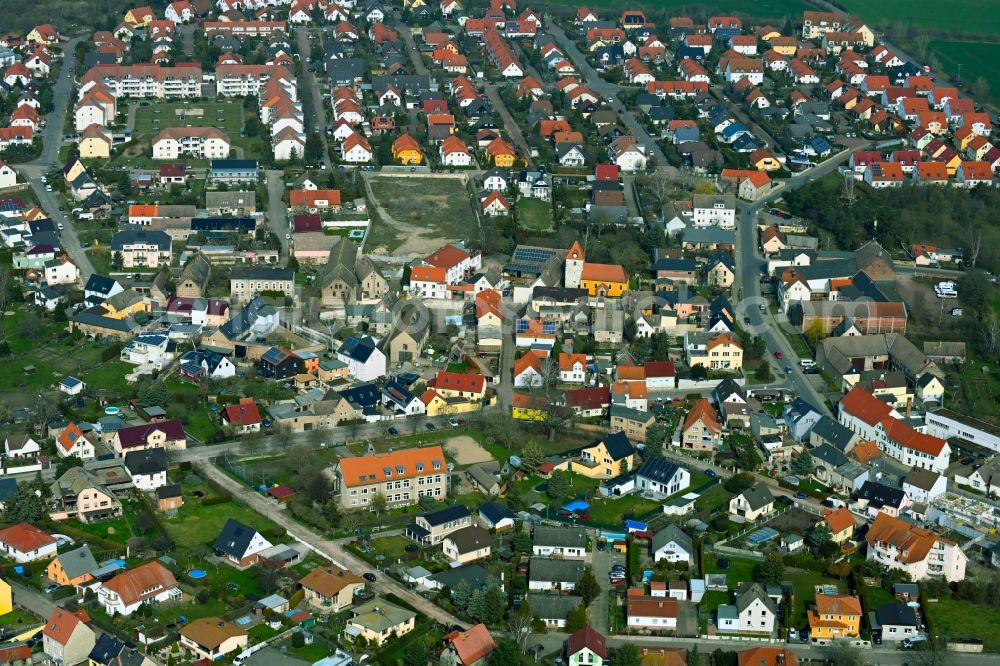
495,606
803,464
820,535
656,437
559,485
379,503
461,594
505,654
314,148
771,571
626,655
152,394
587,586
532,455
66,464
698,372
24,507
416,654
577,619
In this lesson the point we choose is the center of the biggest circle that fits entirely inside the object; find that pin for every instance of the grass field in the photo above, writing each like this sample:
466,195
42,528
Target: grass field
960,619
425,212
151,120
761,9
614,511
977,59
534,214
197,525
979,16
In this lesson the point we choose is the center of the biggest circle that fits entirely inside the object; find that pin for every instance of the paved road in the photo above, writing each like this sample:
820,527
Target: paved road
332,549
31,599
311,86
605,89
748,261
513,129
51,140
277,210
411,47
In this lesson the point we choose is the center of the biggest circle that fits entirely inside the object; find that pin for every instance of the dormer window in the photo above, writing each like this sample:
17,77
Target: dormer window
420,467
436,464
388,471
399,469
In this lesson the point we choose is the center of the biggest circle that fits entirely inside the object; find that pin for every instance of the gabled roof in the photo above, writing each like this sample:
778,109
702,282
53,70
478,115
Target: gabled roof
61,625
143,582
472,644
658,469
235,538
146,461
588,638
673,533
25,538
618,446
758,496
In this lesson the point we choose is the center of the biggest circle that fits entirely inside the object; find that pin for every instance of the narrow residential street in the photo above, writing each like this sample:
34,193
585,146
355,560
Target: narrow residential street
32,172
605,90
513,130
277,210
311,88
334,550
31,599
411,47
601,566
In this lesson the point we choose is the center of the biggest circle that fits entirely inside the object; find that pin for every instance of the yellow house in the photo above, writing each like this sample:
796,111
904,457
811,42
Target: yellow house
436,404
125,304
500,153
723,352
609,458
6,597
379,621
764,160
406,150
139,16
413,4
607,280
528,408
841,523
953,164
721,271
786,46
835,616
95,143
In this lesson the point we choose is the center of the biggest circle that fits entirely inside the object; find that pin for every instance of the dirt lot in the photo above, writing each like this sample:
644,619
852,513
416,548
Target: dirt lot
417,215
795,521
464,450
930,317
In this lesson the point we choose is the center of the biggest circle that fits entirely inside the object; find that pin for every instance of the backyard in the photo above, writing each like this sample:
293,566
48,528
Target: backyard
534,214
418,215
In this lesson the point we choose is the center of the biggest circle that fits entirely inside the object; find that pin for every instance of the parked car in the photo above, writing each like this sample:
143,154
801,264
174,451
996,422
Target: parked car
370,577
430,426
778,355
393,431
453,422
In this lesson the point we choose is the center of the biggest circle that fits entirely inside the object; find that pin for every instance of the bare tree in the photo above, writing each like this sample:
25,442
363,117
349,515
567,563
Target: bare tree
991,332
849,185
4,288
975,245
659,184
519,624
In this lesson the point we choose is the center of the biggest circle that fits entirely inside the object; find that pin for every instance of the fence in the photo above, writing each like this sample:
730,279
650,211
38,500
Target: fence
738,552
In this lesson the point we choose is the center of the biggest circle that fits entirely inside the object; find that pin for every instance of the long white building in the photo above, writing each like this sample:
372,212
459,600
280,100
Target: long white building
145,80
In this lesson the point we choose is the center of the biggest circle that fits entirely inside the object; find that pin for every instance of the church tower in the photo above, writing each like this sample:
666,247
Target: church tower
573,272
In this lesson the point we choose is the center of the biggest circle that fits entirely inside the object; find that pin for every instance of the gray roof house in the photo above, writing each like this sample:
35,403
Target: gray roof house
673,545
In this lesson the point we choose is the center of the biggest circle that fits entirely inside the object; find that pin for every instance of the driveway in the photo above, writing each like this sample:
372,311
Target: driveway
601,564
333,550
312,88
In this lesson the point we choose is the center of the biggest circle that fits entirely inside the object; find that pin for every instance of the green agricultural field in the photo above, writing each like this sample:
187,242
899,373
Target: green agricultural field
760,8
954,618
977,59
973,16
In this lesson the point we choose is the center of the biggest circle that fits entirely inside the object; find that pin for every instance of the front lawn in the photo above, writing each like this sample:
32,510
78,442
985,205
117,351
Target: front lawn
196,525
391,547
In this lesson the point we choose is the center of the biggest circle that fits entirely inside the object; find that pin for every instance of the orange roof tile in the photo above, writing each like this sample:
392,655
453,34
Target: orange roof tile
913,543
473,644
705,413
368,470
604,273
839,520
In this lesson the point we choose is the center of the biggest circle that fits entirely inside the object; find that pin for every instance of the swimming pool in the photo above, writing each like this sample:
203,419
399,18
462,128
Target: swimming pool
197,574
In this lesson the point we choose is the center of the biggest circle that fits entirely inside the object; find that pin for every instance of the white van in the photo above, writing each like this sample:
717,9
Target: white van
85,216
807,364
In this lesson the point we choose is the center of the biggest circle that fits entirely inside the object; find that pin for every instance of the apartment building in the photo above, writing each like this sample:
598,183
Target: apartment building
145,80
201,142
246,282
402,476
921,553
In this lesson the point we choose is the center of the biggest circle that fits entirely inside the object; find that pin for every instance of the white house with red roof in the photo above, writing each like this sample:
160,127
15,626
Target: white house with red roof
242,417
148,583
8,177
26,543
876,421
72,442
457,262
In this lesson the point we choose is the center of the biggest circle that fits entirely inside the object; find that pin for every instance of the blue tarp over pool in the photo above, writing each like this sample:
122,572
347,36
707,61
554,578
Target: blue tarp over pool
576,506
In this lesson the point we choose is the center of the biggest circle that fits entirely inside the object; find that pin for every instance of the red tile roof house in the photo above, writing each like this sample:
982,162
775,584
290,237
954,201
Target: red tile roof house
151,583
66,639
243,417
587,402
26,543
166,434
